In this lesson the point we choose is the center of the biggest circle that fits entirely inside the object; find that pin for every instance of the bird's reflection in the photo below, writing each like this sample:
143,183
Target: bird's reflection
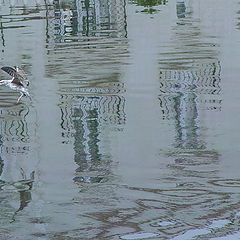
24,191
22,186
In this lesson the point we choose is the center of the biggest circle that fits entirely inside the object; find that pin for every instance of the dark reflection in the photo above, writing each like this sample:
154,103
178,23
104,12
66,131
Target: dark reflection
2,37
150,5
22,186
238,19
181,9
1,165
25,193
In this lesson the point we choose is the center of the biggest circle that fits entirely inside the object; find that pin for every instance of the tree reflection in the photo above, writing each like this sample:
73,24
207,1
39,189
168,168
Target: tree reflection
150,5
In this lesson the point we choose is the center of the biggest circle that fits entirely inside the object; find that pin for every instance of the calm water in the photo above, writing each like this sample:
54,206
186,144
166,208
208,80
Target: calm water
133,128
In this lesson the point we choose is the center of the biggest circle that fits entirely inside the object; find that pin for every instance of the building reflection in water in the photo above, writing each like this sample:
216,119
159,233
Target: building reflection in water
98,18
190,89
184,94
92,102
190,82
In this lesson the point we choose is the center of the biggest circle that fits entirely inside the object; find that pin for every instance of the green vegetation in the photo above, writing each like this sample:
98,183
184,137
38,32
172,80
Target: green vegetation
150,3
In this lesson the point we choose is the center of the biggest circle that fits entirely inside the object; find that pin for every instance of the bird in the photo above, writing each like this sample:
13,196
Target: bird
19,81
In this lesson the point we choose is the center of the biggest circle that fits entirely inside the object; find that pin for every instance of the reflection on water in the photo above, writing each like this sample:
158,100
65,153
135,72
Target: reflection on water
184,94
150,6
83,124
15,147
85,18
123,131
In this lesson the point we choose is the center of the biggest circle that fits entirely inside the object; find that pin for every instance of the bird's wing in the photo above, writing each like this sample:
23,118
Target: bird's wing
11,71
17,81
23,75
19,78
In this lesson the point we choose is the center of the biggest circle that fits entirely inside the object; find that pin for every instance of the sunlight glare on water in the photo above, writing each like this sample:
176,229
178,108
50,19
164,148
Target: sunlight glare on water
133,127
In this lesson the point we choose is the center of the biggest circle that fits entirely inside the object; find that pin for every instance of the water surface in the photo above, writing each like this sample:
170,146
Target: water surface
132,132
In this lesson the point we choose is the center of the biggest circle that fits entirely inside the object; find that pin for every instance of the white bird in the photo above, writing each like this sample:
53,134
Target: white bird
19,82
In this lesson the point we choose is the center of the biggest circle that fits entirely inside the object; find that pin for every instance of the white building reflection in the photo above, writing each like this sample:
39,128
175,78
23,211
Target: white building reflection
190,79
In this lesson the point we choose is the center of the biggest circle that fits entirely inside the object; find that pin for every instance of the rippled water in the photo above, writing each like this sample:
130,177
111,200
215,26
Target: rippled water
133,127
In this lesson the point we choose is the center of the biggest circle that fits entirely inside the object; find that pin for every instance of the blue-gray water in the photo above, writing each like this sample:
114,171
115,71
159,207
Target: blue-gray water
133,128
